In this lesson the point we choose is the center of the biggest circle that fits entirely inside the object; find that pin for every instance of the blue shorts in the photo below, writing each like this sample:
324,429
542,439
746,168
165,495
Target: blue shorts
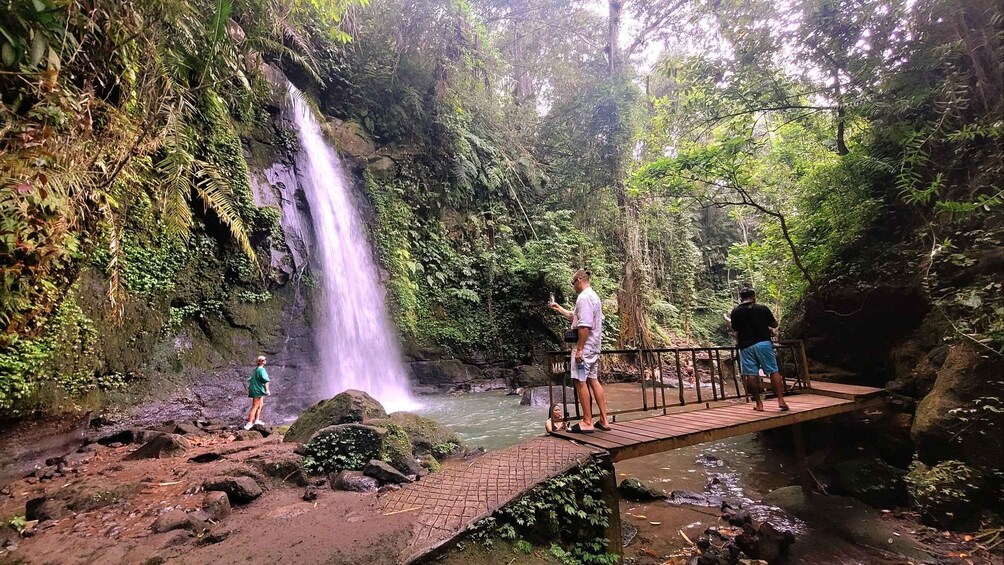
758,356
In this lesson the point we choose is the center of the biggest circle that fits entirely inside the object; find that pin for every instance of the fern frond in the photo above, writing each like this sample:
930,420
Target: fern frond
216,194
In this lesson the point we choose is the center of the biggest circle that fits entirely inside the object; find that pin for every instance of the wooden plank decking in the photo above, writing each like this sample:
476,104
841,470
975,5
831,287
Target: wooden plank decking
645,436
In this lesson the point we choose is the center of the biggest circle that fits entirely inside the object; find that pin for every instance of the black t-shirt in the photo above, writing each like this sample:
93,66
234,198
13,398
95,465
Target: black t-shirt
752,322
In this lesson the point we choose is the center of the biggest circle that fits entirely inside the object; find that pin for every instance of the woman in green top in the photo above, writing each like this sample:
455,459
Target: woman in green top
257,391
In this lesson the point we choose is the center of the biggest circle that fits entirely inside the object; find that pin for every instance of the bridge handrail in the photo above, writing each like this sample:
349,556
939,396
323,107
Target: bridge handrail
650,366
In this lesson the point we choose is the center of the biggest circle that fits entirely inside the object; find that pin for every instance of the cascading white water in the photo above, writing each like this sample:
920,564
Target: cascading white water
357,346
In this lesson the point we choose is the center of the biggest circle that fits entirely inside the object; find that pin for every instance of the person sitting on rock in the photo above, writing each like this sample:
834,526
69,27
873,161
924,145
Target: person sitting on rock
555,423
257,391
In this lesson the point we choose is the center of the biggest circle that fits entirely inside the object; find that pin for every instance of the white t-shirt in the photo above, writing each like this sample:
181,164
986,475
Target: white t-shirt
588,313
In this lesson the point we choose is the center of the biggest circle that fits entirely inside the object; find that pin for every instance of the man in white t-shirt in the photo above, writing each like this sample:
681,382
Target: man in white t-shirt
587,319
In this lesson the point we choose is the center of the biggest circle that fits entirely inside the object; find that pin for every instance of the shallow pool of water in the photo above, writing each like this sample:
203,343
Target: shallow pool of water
741,469
492,420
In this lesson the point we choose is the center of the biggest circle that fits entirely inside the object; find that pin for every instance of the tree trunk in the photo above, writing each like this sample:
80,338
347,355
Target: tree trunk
522,82
614,35
841,118
630,305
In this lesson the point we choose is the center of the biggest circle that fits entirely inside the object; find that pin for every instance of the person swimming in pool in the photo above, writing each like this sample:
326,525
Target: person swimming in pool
555,419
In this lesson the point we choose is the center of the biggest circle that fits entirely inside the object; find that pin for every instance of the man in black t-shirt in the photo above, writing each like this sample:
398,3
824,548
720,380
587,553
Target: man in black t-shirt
755,325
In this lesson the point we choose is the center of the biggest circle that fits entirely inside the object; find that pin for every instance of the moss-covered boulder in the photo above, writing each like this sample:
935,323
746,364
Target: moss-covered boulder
351,406
343,446
871,481
397,450
427,436
947,495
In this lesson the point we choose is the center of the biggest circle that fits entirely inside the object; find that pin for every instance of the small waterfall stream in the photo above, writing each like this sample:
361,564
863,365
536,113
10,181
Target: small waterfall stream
355,340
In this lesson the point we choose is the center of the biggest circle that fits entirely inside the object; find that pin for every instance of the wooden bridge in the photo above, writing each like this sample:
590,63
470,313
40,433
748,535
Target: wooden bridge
712,407
676,429
709,402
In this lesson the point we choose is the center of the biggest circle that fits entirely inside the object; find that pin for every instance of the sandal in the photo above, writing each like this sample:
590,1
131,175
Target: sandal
784,408
755,409
576,429
602,427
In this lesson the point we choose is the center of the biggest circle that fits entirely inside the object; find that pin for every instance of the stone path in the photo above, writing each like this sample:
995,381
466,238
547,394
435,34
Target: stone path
444,504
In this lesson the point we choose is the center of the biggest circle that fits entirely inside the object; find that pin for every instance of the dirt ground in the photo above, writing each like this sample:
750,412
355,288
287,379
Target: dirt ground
114,503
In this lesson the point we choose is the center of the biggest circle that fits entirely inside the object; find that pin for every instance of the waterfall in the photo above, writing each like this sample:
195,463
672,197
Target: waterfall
355,340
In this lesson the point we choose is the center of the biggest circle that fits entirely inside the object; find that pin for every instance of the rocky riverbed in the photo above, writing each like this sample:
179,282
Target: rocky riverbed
204,491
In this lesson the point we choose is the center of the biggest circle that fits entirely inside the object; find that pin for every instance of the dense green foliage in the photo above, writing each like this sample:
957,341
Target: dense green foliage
566,513
510,145
119,152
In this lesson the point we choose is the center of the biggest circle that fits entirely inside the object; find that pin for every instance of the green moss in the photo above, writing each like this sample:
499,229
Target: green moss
426,434
397,450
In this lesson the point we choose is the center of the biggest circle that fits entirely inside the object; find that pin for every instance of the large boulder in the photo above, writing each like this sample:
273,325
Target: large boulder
495,374
345,408
178,520
384,473
240,490
948,494
540,396
958,419
161,447
447,372
285,467
530,375
353,481
871,481
633,489
343,446
427,435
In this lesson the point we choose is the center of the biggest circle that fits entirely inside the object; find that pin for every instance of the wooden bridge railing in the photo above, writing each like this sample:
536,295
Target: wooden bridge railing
714,367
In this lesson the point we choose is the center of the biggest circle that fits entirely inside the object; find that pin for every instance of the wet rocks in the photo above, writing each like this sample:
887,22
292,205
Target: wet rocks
161,447
846,517
753,545
694,498
739,518
539,396
384,473
633,489
447,372
530,376
351,406
239,490
765,542
353,481
216,505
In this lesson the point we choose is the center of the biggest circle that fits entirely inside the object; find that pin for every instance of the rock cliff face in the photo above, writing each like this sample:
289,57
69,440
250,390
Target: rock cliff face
894,315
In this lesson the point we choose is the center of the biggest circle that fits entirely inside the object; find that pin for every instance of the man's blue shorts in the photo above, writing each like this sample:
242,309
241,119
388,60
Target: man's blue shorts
758,356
